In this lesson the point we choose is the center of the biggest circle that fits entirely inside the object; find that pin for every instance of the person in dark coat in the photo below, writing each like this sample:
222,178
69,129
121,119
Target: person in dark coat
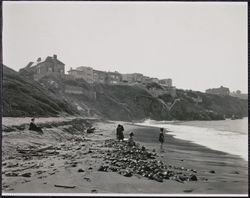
34,127
161,139
119,132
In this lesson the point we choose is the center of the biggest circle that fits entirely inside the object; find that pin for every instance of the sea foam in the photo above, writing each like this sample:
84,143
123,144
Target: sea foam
221,140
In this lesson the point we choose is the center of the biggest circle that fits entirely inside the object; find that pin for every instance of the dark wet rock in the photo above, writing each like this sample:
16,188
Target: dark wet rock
80,170
90,151
236,172
127,173
90,130
137,160
94,191
193,178
90,168
212,171
158,178
103,168
26,174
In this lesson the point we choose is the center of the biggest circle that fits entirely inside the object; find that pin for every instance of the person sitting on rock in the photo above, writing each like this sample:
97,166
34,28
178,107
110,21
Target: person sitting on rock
34,127
119,132
131,141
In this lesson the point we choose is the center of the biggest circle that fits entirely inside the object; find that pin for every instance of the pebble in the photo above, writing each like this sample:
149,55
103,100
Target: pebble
193,178
80,170
128,161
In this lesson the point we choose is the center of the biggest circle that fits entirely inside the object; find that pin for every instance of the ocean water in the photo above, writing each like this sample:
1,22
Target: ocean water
230,136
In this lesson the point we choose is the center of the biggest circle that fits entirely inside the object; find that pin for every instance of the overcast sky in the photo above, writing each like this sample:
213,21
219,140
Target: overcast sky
199,45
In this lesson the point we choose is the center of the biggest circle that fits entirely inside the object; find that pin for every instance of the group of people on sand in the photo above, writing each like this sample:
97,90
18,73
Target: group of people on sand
119,134
131,142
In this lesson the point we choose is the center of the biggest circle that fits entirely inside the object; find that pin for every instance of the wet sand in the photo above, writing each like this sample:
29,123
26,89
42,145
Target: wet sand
225,173
217,172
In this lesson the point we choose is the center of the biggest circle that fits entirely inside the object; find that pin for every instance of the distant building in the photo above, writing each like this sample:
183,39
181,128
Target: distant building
137,77
44,67
128,78
146,79
156,80
100,76
166,82
83,72
132,78
238,94
219,91
114,77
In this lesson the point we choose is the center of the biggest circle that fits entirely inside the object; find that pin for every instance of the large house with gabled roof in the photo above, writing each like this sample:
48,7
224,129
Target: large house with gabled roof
43,67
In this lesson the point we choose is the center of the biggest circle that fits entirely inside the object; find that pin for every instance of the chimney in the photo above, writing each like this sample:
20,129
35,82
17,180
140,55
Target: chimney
39,59
55,56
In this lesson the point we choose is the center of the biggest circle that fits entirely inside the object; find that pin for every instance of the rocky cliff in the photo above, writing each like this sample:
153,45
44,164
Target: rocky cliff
53,95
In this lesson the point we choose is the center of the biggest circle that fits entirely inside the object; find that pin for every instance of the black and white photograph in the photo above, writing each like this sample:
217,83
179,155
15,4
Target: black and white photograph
124,98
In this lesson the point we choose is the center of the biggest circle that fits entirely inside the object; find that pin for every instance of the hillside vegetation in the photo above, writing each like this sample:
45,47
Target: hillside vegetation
25,97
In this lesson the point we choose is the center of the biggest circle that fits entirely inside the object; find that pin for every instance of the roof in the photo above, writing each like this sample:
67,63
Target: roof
47,59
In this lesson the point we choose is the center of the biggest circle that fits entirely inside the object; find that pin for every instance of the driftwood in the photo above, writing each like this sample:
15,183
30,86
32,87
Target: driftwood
63,186
24,168
90,130
34,151
43,149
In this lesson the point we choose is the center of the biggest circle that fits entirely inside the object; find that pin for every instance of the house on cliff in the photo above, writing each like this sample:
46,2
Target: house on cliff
82,72
166,82
43,67
219,91
132,78
100,76
114,77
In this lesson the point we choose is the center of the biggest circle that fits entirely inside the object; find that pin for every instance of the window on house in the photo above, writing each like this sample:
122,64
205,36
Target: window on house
49,69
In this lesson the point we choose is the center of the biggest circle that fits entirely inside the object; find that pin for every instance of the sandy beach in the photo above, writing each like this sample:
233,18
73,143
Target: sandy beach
69,162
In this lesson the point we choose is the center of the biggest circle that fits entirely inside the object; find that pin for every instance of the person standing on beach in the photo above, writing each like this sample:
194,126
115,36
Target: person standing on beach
161,139
119,132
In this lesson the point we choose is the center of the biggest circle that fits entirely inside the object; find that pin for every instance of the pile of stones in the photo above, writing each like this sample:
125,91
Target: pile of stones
137,160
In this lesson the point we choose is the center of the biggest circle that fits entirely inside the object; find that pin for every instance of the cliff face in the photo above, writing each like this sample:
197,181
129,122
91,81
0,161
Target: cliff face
53,95
24,97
